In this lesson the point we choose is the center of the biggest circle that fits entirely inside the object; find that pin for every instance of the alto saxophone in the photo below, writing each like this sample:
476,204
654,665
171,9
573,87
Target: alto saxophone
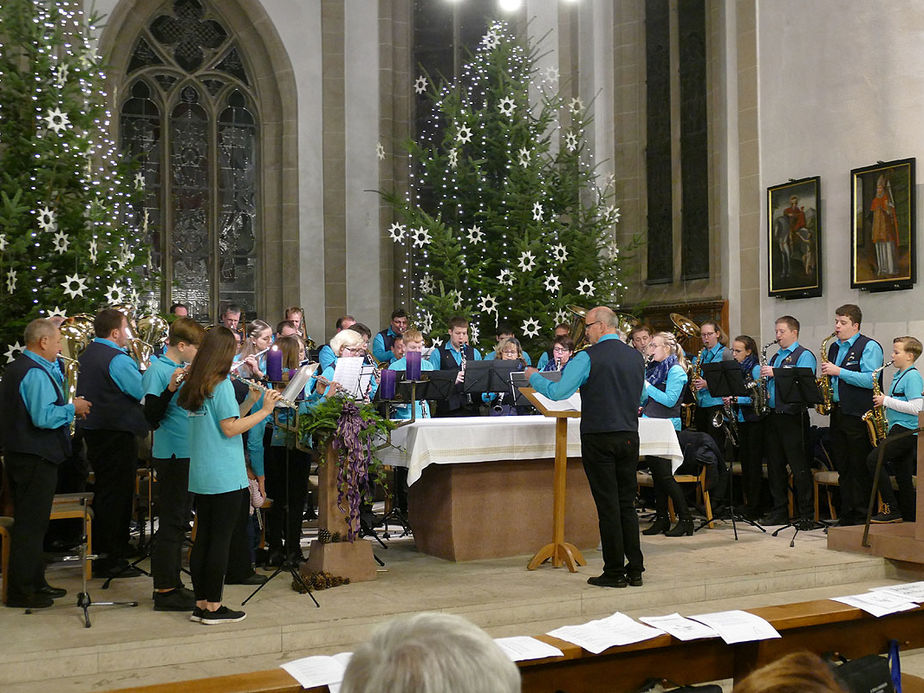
824,381
688,409
877,426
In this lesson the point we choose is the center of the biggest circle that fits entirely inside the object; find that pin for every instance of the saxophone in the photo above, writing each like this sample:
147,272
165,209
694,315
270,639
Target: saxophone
824,381
877,426
760,397
688,409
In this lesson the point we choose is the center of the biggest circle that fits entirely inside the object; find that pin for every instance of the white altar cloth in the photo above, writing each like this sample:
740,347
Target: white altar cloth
492,438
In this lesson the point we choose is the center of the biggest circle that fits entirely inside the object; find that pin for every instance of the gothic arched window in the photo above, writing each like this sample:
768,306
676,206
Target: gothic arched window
190,118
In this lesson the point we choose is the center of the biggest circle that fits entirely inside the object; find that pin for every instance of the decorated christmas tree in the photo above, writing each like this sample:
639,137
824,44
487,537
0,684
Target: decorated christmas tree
506,218
70,233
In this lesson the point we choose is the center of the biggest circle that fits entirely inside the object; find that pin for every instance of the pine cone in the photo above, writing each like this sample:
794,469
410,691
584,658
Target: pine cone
335,537
324,536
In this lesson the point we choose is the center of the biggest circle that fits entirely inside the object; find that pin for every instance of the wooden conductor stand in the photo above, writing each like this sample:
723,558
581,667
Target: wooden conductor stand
559,550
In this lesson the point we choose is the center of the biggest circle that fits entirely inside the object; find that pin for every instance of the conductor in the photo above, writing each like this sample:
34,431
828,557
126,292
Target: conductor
610,376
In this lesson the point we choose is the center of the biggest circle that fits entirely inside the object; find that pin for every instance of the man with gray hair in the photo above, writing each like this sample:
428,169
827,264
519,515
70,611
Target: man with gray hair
35,439
610,375
430,653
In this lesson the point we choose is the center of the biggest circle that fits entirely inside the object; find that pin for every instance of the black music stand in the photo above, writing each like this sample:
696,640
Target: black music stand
798,386
518,380
726,379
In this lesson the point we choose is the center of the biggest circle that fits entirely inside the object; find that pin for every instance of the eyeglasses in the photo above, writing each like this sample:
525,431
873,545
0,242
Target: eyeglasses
354,350
560,350
708,334
591,324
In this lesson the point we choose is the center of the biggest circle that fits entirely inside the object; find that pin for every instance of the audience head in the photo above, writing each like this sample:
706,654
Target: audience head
430,653
798,672
847,319
111,324
344,322
181,310
348,342
413,340
398,321
458,331
43,337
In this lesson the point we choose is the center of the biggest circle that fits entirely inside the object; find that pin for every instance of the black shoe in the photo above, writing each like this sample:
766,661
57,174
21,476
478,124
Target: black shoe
35,601
634,580
775,518
196,615
684,527
659,526
222,615
252,579
180,599
295,558
609,581
887,516
53,592
275,558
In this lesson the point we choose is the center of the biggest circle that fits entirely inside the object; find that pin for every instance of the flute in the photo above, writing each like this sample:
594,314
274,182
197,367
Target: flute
257,386
257,356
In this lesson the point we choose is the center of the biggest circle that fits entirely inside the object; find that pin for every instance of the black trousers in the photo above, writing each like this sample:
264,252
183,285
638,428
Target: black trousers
113,457
751,447
280,525
610,461
703,420
665,486
32,482
173,504
850,446
902,456
783,434
217,516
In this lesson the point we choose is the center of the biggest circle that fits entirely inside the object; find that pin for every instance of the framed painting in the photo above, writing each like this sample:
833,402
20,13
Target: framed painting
882,226
794,238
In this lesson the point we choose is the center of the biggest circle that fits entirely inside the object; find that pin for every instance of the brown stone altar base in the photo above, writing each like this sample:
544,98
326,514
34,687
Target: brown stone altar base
347,559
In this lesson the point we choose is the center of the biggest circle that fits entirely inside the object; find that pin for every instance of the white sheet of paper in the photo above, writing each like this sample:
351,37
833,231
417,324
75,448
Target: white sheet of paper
877,602
352,375
680,627
523,647
910,591
596,636
320,670
738,626
573,403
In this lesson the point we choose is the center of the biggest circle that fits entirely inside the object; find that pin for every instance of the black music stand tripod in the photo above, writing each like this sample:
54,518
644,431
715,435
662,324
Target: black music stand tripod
798,386
725,379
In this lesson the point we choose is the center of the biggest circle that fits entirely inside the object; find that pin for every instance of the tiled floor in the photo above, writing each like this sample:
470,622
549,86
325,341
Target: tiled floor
51,650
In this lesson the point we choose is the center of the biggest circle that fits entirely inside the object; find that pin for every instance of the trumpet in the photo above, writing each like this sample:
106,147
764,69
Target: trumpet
253,385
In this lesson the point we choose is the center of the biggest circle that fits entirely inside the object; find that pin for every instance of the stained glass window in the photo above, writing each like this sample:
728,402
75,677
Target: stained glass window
189,118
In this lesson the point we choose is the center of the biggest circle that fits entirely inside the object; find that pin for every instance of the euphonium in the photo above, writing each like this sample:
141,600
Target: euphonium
877,426
824,381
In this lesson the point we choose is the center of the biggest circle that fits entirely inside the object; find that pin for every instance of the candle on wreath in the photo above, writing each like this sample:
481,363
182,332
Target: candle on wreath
412,358
274,364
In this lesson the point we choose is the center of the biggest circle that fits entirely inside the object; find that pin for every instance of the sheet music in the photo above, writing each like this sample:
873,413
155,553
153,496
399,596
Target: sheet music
877,602
596,636
573,403
320,670
523,647
910,591
738,626
298,382
352,375
680,627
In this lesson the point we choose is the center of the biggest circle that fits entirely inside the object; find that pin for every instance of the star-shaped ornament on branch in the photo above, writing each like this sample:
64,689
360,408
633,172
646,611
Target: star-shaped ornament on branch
523,157
552,283
537,211
490,40
56,313
576,105
571,141
562,316
505,278
420,85
475,334
3,242
57,120
612,214
453,158
11,281
464,135
60,73
47,219
61,242
527,261
139,181
74,285
425,321
114,295
488,304
396,232
421,237
551,74
530,327
94,251
14,351
585,287
456,296
380,151
559,252
436,341
506,106
475,235
427,284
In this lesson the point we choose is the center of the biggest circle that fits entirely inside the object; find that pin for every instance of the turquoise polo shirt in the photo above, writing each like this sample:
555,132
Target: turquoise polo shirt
172,435
216,462
907,386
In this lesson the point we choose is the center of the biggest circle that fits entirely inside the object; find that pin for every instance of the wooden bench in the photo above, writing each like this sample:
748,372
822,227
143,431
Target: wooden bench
820,626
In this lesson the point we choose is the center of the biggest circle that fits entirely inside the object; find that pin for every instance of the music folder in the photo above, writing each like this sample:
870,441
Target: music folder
439,384
797,386
725,379
519,379
489,376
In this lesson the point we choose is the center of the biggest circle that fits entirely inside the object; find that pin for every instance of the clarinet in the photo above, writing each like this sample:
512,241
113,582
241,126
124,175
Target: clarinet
462,361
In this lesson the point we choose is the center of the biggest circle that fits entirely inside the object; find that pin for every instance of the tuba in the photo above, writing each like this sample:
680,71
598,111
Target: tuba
76,333
579,325
877,426
687,329
824,381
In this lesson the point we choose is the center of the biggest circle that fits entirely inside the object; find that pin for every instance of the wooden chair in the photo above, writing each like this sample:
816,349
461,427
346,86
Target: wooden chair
702,492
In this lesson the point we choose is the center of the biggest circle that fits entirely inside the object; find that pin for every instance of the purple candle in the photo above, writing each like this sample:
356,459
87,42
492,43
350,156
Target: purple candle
274,364
387,385
412,358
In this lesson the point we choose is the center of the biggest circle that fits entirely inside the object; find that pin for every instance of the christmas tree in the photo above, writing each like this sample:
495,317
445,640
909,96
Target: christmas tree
506,218
71,235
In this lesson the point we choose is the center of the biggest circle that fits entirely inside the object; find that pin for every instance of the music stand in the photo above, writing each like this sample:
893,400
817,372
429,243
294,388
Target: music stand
726,379
519,380
439,383
798,386
477,378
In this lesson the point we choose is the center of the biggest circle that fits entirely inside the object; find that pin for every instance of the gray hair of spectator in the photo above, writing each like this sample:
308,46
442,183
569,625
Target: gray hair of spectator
430,653
38,328
345,338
